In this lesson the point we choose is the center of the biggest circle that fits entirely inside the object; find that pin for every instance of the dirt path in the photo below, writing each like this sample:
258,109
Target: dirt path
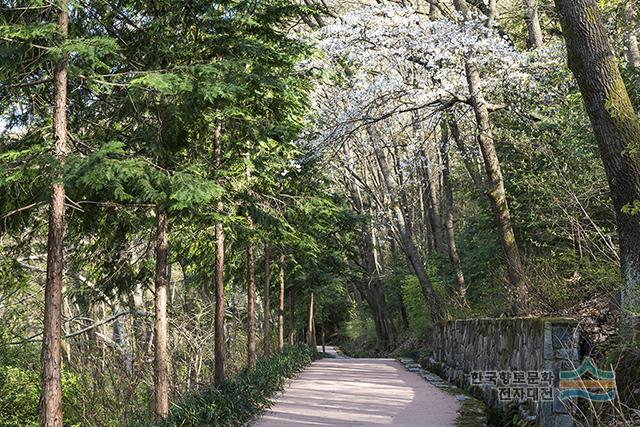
360,392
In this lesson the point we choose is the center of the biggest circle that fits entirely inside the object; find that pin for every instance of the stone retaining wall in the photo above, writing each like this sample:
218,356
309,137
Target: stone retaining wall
508,345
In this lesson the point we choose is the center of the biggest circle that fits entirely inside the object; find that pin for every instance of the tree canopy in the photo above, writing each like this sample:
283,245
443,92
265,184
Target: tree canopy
345,171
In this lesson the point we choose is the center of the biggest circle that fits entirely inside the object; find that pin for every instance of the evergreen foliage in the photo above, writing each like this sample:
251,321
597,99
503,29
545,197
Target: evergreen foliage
315,130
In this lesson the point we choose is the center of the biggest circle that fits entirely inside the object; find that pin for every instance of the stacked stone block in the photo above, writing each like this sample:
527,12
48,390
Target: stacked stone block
515,344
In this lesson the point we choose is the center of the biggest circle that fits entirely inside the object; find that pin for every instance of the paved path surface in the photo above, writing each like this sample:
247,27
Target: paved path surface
360,392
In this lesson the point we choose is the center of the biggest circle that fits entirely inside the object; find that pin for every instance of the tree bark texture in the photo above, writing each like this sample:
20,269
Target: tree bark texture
51,411
251,284
218,326
495,184
292,315
371,285
281,304
448,215
405,238
251,309
469,159
492,16
311,336
266,325
433,208
534,31
374,292
161,357
617,131
496,192
51,358
633,51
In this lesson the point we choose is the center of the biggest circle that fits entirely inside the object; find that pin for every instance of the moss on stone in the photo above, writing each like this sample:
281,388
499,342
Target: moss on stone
472,413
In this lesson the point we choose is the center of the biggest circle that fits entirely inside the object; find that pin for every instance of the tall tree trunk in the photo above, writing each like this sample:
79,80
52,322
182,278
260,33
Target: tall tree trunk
292,315
161,359
377,292
404,235
433,9
496,192
251,282
374,291
364,291
318,18
371,284
633,51
51,411
266,326
402,194
448,215
314,343
251,309
534,32
218,327
617,130
374,295
469,159
311,337
492,16
426,234
488,7
135,303
51,398
357,296
461,7
403,311
281,304
433,207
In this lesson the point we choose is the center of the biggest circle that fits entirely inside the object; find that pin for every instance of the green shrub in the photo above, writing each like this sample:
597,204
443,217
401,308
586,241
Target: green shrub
360,349
242,396
20,396
359,327
417,310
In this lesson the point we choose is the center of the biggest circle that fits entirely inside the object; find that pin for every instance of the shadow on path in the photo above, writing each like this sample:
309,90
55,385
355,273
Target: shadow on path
360,392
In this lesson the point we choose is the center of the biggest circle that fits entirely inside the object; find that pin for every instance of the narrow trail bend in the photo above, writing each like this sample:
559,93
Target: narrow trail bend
360,392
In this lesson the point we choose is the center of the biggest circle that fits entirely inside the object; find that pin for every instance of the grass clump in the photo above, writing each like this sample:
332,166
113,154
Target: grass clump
242,396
